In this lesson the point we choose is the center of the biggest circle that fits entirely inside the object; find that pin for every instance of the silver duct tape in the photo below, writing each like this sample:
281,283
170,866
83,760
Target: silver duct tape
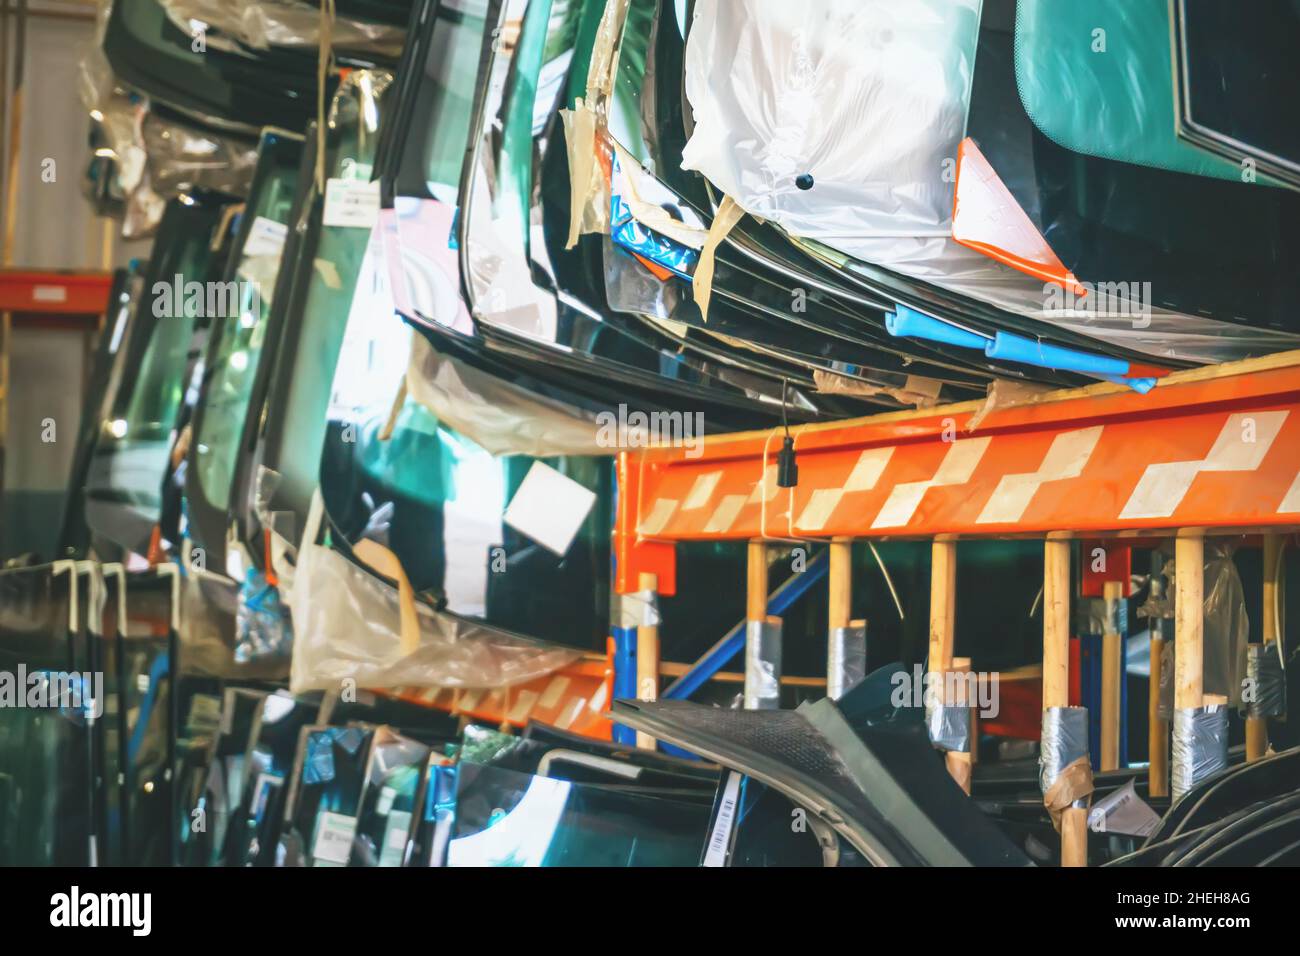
1065,740
1265,690
1200,748
638,610
949,726
1165,702
762,665
846,660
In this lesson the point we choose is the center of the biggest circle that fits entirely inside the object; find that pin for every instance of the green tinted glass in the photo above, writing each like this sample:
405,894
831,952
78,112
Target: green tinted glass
239,346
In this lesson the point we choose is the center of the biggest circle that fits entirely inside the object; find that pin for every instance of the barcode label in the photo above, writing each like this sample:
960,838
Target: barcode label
333,843
716,855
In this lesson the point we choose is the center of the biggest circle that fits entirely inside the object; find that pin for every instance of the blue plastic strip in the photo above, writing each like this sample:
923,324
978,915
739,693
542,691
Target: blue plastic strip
1139,385
1017,348
716,657
625,230
918,325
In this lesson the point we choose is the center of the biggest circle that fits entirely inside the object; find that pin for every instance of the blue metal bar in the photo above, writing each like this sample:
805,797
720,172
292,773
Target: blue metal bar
624,676
716,657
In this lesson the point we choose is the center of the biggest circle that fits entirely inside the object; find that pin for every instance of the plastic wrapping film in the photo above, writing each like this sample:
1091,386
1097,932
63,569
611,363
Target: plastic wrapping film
262,24
347,625
1064,774
763,664
158,159
391,750
836,122
500,417
262,623
208,634
631,287
1159,333
846,659
1227,626
948,726
1266,678
1200,747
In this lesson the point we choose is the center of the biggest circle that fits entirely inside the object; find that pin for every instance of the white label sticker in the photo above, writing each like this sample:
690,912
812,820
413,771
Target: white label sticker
385,802
350,202
49,293
549,508
265,237
394,848
720,841
333,843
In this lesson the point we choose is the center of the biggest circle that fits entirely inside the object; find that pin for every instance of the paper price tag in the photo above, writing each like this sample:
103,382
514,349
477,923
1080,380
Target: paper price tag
351,203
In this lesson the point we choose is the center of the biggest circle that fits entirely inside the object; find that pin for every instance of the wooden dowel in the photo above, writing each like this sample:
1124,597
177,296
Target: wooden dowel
1189,621
1112,675
943,604
756,586
840,583
943,624
1257,727
1056,678
647,656
1157,729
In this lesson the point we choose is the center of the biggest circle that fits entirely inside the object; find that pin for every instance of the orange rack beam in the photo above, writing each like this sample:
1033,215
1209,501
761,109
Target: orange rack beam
575,698
1215,447
66,293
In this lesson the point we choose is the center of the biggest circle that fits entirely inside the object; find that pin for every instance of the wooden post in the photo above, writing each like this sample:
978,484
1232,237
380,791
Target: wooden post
1189,624
1257,727
1189,621
1157,729
1112,673
756,589
943,604
647,656
1056,678
840,583
943,626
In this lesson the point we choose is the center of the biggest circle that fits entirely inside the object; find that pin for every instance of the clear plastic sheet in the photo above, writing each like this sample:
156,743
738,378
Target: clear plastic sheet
846,660
1227,627
1266,678
347,626
1200,747
262,624
501,418
763,664
158,159
631,287
208,634
262,24
1161,334
834,121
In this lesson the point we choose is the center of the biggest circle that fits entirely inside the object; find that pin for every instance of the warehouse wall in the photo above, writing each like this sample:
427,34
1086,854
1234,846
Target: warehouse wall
54,228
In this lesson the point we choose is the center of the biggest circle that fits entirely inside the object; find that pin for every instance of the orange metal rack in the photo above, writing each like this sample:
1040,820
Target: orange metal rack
1214,450
1216,447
